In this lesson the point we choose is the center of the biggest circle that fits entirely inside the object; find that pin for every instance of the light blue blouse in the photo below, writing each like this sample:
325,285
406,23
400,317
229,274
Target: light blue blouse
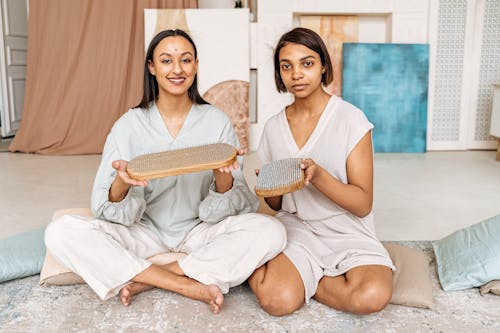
170,206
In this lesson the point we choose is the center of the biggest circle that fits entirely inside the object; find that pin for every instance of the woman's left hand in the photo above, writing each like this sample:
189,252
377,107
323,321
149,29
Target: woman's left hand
234,166
223,176
310,169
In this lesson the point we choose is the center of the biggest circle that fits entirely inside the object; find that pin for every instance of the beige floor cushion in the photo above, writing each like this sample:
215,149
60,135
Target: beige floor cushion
412,284
490,287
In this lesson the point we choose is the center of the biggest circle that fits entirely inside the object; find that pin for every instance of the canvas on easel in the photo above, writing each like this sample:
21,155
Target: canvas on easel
389,83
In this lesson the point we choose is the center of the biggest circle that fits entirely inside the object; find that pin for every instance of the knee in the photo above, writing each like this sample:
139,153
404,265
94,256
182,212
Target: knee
272,230
371,297
57,232
280,301
53,232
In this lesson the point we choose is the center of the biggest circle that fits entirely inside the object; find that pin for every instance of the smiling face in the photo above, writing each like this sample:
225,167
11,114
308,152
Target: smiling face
300,69
174,65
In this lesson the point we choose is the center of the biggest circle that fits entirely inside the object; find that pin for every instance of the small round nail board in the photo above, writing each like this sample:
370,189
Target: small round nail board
181,161
280,177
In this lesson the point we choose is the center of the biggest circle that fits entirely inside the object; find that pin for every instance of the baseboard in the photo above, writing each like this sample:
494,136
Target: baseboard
4,145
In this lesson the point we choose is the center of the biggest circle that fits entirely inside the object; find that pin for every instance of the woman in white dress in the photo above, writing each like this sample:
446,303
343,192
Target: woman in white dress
207,214
332,253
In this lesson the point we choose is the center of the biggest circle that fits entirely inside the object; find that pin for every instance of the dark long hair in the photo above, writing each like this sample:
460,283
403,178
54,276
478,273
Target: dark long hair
309,39
150,87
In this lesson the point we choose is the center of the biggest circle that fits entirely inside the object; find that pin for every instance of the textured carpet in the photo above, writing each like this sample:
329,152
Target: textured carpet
27,307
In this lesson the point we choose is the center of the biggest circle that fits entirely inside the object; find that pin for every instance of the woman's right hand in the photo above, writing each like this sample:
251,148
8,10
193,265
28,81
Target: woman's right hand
122,182
121,169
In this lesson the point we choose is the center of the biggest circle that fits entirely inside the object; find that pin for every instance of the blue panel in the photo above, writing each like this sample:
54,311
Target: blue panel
389,82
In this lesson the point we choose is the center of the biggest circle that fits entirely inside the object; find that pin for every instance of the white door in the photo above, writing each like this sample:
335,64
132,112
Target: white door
13,51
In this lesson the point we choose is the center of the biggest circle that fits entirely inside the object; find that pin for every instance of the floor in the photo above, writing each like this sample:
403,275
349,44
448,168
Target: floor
417,196
76,308
4,144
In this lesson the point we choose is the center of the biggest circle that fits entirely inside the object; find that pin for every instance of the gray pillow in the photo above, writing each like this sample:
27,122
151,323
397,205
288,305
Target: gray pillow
469,257
21,255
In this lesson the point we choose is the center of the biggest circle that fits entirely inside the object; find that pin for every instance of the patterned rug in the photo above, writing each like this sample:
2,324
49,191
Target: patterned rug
27,307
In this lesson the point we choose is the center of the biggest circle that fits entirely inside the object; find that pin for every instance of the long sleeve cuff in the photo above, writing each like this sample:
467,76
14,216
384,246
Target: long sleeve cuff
238,200
127,211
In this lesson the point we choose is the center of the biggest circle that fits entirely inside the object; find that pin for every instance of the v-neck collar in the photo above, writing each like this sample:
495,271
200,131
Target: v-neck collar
318,129
160,125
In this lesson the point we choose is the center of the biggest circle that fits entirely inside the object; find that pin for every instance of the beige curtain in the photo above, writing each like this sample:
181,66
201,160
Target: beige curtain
85,67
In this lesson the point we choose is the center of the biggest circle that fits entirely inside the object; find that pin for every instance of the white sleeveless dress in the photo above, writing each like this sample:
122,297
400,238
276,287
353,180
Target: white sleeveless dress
323,238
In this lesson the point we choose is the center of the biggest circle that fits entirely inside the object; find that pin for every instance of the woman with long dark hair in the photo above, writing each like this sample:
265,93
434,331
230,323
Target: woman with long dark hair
207,214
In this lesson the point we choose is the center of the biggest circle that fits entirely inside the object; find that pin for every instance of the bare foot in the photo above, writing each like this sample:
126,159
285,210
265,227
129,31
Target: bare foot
132,289
215,298
172,278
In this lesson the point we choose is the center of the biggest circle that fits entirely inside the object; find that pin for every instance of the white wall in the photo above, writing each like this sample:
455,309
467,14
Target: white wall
398,21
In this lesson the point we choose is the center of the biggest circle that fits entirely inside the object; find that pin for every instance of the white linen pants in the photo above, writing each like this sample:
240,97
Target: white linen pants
108,255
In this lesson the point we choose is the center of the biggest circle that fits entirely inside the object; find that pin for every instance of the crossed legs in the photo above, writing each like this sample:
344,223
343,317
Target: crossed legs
205,274
266,236
171,277
68,238
362,290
